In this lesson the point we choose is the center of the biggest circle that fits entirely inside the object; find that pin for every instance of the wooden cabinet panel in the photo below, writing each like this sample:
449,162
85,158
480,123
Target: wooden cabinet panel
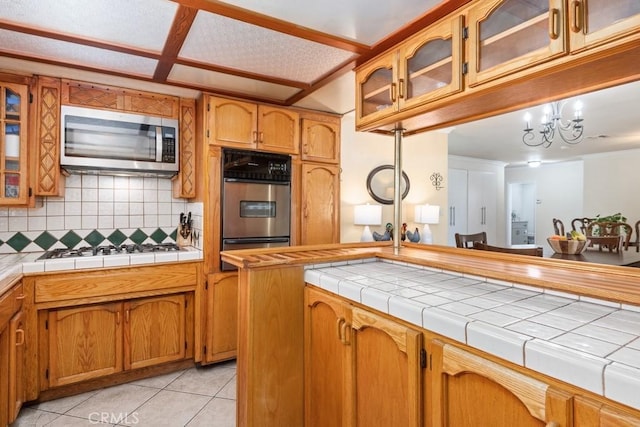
327,361
17,392
320,141
246,125
594,22
233,123
320,198
154,331
377,89
387,376
184,185
278,130
467,389
14,126
48,180
222,317
84,342
360,369
507,35
591,413
120,99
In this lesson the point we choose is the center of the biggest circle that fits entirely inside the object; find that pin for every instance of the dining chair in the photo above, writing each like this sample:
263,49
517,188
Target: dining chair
580,224
537,251
558,227
610,235
467,240
637,242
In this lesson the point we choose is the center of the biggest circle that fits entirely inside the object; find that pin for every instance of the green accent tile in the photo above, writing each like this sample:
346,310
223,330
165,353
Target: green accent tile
18,241
117,237
138,236
174,234
95,238
71,239
45,240
158,236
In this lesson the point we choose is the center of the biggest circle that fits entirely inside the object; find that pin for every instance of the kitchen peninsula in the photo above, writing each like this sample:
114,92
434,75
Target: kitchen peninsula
423,334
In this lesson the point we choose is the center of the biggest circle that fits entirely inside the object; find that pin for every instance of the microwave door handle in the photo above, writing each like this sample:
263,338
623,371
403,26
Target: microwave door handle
158,144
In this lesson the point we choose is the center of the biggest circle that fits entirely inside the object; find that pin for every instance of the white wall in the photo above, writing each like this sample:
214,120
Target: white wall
559,193
422,155
609,180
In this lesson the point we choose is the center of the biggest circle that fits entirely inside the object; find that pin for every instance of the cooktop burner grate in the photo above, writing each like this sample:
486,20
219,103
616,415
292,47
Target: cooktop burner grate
87,251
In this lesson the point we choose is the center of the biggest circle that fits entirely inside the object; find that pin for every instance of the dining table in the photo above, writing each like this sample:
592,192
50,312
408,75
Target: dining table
621,257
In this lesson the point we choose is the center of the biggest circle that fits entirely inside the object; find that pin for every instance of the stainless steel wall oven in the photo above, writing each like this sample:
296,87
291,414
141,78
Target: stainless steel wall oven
256,200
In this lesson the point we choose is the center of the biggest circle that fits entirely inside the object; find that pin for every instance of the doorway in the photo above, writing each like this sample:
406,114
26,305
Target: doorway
521,213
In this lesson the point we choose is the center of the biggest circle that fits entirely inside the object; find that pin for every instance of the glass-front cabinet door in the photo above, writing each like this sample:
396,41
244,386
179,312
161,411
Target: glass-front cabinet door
431,64
508,35
377,89
13,144
592,22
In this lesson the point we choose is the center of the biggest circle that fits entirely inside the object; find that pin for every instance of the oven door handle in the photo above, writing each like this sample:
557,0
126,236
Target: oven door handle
257,240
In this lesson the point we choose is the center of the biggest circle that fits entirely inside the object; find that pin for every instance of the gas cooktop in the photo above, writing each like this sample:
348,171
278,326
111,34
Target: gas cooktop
87,251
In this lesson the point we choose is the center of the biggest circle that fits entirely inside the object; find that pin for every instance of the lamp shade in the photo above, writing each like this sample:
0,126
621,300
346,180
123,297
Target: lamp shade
427,214
367,215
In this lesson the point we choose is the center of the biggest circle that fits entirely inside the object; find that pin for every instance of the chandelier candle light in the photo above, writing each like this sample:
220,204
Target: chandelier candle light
367,215
427,214
569,131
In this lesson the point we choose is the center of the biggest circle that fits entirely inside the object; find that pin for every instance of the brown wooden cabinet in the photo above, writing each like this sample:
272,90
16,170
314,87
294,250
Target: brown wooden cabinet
594,22
96,340
93,95
48,179
14,130
240,124
320,140
221,338
360,369
466,389
426,67
184,185
12,350
319,204
17,392
592,413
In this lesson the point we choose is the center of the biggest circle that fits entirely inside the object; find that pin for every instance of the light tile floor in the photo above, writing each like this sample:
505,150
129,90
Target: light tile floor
203,396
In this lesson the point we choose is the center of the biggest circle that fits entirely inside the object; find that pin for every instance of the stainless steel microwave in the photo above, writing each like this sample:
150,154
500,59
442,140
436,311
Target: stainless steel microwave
100,141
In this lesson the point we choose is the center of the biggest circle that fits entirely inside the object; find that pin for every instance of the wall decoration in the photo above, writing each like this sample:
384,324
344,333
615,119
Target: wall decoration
380,184
437,180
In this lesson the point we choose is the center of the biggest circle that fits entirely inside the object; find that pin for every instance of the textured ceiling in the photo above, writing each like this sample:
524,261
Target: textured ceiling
278,51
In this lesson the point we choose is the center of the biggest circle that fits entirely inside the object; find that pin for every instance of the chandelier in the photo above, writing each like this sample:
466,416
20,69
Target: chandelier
552,124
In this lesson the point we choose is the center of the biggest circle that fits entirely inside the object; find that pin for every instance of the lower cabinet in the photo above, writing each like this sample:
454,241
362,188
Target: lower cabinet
221,336
591,413
96,340
12,354
467,390
360,369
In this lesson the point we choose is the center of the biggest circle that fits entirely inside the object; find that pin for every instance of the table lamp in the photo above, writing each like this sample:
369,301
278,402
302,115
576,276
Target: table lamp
427,214
367,215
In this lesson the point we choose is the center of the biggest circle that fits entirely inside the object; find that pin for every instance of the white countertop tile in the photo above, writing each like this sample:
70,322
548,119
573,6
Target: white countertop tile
375,299
621,383
91,262
117,260
494,318
604,334
627,356
503,343
586,344
144,258
445,323
534,329
558,322
407,310
572,366
350,290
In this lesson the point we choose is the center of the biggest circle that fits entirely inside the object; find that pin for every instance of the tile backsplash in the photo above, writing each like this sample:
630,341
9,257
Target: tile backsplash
98,210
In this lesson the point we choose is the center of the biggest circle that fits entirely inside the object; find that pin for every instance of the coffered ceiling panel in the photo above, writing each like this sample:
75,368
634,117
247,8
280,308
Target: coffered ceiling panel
76,54
250,48
142,23
248,87
364,21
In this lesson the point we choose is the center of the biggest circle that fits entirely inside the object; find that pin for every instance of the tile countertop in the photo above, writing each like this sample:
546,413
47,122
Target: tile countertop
590,343
13,266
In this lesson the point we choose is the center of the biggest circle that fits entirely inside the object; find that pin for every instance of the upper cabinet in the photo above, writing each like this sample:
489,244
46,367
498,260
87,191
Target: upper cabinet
14,108
250,126
424,68
320,140
508,35
592,22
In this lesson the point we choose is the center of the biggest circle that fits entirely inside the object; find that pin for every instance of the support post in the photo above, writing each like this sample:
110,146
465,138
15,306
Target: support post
397,191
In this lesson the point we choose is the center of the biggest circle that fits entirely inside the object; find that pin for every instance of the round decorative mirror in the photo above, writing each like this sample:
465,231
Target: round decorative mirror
380,184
